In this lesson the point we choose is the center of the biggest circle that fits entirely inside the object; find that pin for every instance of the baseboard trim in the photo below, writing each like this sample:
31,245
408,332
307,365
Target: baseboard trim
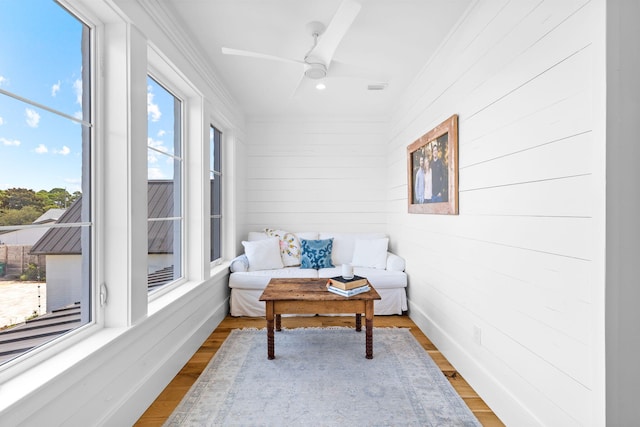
501,401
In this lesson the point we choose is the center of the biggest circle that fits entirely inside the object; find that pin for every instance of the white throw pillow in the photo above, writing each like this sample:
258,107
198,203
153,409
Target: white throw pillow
370,253
263,254
289,246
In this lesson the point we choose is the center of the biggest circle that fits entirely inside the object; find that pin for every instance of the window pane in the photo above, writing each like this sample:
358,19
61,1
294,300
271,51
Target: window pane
215,180
38,149
216,188
41,45
164,174
163,237
45,209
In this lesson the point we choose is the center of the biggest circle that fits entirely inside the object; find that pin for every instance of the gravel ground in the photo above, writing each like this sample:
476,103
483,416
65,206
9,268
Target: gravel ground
18,300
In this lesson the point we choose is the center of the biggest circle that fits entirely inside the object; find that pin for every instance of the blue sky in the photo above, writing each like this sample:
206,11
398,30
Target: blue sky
40,59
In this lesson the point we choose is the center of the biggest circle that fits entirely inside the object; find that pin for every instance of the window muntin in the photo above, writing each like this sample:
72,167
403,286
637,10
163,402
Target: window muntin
215,174
45,149
164,193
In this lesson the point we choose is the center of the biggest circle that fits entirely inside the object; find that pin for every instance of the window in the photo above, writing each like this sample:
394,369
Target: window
216,196
45,176
164,166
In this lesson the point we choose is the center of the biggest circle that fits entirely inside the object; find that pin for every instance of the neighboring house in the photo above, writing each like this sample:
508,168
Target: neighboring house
31,235
63,256
15,246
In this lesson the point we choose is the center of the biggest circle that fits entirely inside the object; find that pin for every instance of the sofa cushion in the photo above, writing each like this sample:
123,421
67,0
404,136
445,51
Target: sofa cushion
263,254
344,244
371,253
315,253
259,279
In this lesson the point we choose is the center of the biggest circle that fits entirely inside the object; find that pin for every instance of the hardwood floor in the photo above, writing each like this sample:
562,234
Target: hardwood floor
166,402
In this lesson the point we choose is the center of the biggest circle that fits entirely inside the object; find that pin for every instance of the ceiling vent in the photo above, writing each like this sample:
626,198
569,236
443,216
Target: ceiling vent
379,86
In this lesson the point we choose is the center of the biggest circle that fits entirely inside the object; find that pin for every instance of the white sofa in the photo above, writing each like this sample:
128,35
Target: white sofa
367,252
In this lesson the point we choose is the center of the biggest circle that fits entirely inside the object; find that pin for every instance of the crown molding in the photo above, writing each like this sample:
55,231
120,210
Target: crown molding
164,17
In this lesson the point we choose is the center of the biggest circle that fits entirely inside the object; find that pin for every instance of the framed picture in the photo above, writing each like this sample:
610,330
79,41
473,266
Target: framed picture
432,170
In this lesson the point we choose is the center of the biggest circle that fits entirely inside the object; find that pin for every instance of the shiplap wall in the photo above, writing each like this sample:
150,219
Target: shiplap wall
320,174
511,289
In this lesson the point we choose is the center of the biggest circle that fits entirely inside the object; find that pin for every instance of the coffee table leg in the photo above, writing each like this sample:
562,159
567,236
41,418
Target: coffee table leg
368,314
270,338
358,322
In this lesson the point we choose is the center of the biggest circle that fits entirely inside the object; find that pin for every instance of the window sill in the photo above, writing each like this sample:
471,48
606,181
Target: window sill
172,296
70,360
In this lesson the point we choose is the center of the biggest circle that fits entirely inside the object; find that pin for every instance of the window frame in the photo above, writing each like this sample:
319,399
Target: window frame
40,354
169,85
219,173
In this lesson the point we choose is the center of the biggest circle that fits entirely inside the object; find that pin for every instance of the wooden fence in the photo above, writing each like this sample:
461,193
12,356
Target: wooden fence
16,260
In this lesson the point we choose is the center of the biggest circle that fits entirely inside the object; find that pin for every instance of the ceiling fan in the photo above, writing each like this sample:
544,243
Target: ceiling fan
318,62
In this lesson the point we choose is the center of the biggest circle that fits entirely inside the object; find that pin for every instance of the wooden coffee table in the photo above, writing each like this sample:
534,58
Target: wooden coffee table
310,296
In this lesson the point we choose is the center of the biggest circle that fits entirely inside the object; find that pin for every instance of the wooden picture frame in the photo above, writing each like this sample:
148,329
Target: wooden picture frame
440,171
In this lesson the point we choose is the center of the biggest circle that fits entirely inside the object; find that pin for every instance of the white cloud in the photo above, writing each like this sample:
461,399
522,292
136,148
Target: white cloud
2,80
64,151
41,149
77,88
157,144
55,88
10,142
75,184
161,133
33,118
152,109
78,115
1,121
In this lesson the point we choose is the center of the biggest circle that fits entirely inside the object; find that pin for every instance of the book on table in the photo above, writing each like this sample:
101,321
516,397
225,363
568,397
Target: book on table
350,292
346,284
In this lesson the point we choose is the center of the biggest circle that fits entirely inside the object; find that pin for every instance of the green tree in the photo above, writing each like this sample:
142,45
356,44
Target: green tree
60,197
26,215
17,198
45,200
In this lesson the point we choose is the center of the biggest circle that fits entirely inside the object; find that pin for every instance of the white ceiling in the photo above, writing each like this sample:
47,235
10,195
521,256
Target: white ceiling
392,39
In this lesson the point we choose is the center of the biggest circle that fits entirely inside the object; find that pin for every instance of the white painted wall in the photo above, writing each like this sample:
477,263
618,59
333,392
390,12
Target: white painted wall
323,174
64,281
511,290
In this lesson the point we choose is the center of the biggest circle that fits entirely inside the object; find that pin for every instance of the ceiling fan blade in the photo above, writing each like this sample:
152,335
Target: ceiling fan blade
238,52
301,82
340,23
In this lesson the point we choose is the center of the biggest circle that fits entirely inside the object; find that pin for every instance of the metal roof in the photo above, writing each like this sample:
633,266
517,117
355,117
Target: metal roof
35,332
66,241
62,241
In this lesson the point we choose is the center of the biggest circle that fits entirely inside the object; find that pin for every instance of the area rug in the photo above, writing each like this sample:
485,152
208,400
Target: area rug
320,377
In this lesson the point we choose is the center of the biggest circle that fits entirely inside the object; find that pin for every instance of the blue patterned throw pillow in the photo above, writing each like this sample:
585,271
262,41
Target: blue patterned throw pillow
315,253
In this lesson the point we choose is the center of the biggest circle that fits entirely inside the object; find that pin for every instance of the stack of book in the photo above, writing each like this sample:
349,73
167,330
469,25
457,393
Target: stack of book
348,287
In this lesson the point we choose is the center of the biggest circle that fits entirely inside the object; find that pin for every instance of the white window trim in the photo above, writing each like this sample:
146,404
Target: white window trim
168,84
40,355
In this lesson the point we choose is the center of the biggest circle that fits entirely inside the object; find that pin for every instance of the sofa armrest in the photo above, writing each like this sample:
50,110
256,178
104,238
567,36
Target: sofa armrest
239,263
395,262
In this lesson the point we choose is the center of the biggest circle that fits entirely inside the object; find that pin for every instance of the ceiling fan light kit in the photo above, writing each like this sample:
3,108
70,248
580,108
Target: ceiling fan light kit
316,71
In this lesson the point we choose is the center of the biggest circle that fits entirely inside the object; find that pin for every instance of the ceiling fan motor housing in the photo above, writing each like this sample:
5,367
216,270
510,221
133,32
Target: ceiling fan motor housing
316,71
